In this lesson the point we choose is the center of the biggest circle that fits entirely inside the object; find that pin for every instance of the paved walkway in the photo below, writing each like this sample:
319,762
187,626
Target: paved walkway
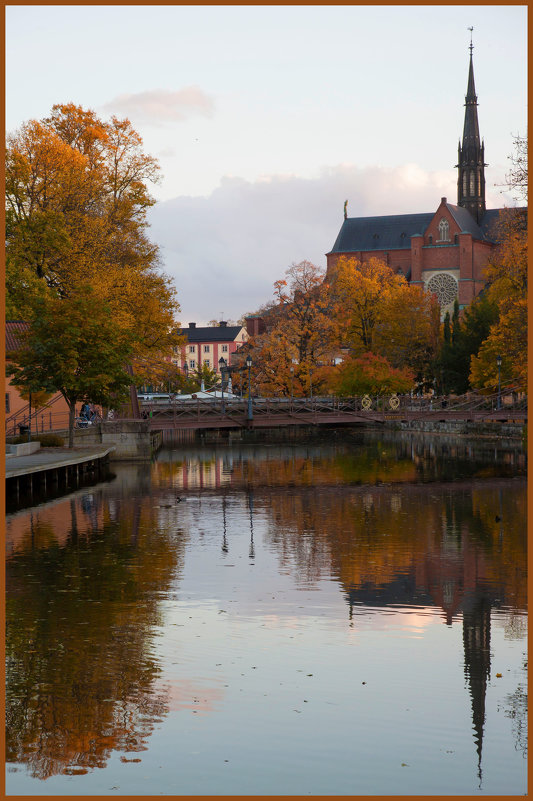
50,458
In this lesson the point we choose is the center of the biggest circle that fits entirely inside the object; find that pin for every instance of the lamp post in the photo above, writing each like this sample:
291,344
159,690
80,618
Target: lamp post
222,366
499,363
250,414
292,378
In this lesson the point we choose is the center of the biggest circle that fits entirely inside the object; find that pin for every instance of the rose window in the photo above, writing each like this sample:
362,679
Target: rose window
444,286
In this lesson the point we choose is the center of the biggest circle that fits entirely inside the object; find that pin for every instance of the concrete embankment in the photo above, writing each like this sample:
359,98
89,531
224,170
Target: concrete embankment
131,440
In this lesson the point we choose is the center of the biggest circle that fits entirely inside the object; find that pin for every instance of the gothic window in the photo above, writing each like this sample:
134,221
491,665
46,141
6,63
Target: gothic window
444,286
472,184
465,184
444,230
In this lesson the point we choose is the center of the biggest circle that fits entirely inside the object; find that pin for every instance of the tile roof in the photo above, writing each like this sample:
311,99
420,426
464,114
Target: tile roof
12,328
212,333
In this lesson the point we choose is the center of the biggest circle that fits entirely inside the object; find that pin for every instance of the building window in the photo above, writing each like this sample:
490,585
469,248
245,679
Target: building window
8,409
444,230
430,239
207,363
224,348
444,286
174,361
207,348
192,348
192,364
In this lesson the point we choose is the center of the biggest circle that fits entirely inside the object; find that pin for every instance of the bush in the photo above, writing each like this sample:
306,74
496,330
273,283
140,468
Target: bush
46,440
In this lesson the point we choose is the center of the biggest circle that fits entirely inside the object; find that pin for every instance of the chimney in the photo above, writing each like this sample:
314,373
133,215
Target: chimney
192,325
222,323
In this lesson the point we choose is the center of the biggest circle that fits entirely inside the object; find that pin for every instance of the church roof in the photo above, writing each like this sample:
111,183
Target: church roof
389,232
394,232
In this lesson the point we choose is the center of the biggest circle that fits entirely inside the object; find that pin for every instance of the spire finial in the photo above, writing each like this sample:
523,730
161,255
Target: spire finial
471,45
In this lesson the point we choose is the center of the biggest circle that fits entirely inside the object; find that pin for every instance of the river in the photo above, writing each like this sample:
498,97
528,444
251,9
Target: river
343,616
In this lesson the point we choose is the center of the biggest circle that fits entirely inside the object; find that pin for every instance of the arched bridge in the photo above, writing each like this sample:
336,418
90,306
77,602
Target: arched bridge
274,412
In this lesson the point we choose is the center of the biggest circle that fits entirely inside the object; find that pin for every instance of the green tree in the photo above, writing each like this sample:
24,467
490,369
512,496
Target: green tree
462,338
73,347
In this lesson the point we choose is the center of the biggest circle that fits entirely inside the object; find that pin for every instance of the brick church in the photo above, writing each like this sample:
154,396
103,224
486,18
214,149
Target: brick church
444,251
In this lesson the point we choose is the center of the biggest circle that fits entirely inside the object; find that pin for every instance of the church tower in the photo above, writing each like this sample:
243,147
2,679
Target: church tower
471,160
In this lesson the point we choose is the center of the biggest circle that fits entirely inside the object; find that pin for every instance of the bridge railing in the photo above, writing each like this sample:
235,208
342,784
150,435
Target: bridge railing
234,407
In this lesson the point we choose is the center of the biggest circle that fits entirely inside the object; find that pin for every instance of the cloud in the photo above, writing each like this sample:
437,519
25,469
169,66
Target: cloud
160,106
226,250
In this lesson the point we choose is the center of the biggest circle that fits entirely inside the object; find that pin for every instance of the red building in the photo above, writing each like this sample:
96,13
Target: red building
446,250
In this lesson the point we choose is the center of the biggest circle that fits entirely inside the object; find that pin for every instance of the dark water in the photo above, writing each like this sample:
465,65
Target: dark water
339,618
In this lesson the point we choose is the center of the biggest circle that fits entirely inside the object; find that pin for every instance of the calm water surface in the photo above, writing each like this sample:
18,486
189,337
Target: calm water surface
340,618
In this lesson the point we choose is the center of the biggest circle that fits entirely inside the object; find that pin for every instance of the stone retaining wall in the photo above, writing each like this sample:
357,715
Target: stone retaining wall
505,430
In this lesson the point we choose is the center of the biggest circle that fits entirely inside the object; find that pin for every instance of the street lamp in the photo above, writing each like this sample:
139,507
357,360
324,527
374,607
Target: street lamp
499,363
292,378
249,366
222,368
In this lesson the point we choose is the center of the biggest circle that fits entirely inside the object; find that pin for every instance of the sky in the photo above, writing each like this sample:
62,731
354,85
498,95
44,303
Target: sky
265,119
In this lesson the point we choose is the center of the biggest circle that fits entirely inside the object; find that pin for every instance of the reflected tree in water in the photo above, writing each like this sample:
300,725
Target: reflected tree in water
81,675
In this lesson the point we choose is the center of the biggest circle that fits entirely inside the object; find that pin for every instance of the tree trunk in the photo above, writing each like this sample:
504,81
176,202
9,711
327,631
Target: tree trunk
71,418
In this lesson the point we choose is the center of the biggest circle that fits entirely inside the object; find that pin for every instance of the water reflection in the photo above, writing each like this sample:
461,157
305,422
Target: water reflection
83,579
398,528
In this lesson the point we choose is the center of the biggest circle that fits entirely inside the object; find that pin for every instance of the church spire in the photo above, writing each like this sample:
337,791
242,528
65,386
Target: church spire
471,160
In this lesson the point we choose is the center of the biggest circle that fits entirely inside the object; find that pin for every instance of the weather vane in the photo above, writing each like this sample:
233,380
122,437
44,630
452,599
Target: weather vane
471,45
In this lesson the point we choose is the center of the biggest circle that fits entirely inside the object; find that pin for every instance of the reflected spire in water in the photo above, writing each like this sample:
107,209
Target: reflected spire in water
251,510
225,547
476,640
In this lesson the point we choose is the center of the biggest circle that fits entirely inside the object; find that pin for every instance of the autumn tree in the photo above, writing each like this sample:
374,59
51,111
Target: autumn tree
372,374
74,347
300,332
77,199
506,287
378,312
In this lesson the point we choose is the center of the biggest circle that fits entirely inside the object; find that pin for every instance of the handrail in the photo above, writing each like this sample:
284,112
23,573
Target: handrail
24,409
